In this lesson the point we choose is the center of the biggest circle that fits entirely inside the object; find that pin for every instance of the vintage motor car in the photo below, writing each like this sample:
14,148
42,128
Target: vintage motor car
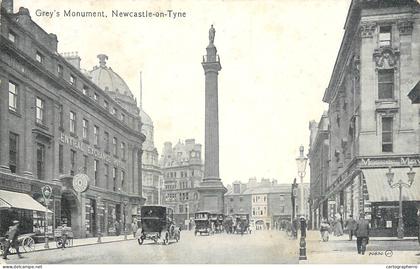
203,224
242,223
157,225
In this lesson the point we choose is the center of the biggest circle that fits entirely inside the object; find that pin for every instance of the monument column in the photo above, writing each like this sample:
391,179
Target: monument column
211,189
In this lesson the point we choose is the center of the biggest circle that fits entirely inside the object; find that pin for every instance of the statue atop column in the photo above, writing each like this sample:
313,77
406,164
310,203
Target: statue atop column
212,33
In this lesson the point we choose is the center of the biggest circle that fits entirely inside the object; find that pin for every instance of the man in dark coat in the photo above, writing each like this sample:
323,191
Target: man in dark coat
12,239
350,226
418,228
362,234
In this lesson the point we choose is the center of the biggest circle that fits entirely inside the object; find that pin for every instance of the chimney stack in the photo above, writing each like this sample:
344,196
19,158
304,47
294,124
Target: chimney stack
73,58
8,5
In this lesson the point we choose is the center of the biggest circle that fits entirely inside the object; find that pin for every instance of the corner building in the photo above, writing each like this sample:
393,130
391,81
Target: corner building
373,124
55,122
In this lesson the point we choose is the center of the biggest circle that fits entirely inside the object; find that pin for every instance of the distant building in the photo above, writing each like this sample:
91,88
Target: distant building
182,169
266,202
319,168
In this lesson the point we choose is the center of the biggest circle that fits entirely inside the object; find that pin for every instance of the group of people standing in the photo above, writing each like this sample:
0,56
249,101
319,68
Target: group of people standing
359,228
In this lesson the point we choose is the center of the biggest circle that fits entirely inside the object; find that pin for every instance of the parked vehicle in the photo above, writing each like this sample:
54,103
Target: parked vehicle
157,225
203,223
241,225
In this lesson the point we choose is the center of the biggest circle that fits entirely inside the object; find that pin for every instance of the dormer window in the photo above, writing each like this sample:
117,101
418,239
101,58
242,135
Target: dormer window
95,97
85,90
385,36
72,80
60,70
12,36
39,57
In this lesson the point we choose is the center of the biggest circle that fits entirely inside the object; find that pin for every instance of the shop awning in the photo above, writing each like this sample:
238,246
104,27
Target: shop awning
9,199
380,191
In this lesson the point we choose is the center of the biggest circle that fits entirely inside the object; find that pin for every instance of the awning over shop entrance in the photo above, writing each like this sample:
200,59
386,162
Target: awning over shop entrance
380,191
9,199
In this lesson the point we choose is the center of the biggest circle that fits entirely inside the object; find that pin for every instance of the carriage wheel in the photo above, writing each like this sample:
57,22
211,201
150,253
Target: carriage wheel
166,239
28,244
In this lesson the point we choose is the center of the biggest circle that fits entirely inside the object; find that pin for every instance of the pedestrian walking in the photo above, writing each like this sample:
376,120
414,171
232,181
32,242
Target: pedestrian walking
350,226
117,227
134,227
64,235
325,230
338,228
362,234
12,239
418,226
295,227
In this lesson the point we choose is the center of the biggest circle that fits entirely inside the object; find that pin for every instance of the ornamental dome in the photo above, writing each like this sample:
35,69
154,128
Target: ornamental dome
113,84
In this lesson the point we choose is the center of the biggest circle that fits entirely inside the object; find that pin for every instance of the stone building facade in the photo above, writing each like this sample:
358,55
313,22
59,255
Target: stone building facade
182,168
372,123
55,122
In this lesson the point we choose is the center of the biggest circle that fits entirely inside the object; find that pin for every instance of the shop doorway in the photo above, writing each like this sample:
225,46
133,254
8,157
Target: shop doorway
118,212
70,212
92,229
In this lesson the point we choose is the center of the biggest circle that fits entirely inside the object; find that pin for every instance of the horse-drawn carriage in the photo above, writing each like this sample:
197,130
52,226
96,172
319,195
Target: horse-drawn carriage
157,224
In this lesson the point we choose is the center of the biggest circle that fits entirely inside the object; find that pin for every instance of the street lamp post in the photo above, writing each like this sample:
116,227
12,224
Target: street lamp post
301,166
400,184
46,192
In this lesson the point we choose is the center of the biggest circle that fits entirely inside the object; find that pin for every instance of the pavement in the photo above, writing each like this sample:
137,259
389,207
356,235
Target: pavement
380,250
262,247
259,247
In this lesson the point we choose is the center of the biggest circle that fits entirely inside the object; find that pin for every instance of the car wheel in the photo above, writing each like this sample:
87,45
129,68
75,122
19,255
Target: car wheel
166,239
140,240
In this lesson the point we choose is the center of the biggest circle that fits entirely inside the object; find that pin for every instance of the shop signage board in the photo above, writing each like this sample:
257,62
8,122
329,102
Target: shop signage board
389,161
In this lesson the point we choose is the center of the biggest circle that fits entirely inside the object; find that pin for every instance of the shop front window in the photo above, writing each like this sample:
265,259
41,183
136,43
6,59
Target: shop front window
384,216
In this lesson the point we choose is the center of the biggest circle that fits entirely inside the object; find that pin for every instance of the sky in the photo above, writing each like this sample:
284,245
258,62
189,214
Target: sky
277,58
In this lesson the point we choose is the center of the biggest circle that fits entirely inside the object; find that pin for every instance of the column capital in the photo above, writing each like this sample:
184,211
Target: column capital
367,29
